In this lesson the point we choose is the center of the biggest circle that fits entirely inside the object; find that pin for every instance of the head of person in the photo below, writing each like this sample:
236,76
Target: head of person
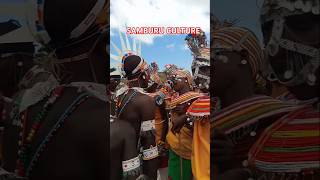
179,79
201,70
115,79
291,31
201,61
236,56
136,70
74,28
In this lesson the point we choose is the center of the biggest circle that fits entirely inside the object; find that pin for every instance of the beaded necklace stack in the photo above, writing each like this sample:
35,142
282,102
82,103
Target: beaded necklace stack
242,118
290,147
26,158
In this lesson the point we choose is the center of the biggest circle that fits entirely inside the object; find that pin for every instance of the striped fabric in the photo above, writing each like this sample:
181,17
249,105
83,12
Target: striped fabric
182,99
227,37
200,107
291,144
248,112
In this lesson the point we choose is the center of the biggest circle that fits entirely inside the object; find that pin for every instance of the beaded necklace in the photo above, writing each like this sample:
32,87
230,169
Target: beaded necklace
24,143
289,146
73,106
242,118
27,160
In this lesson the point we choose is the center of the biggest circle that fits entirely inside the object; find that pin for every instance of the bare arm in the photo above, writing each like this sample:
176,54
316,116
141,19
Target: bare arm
148,140
130,148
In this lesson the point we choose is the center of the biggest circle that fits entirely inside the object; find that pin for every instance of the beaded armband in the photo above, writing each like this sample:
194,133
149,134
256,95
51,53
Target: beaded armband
160,98
131,167
147,126
151,153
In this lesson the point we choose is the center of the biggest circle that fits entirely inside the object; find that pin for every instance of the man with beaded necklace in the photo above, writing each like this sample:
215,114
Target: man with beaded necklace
132,108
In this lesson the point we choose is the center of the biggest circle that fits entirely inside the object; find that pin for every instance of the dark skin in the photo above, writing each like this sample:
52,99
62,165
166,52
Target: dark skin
122,139
114,82
180,86
304,29
79,149
278,63
233,82
124,143
135,112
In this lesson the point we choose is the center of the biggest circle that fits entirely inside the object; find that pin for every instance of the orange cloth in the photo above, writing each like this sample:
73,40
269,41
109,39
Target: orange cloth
200,159
182,145
158,124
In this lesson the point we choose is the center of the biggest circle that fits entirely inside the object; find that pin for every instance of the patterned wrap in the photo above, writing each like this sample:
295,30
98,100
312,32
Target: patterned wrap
181,143
200,158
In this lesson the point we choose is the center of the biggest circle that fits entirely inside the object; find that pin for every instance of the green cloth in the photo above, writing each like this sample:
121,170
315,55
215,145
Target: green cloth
174,167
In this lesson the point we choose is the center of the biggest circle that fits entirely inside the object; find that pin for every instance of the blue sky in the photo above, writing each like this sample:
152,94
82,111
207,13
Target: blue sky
246,11
168,49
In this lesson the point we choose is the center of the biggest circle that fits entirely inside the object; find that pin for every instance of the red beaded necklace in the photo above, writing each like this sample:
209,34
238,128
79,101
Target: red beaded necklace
24,142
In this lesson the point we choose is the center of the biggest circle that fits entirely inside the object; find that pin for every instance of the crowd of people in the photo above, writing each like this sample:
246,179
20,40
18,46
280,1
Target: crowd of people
159,121
247,110
268,134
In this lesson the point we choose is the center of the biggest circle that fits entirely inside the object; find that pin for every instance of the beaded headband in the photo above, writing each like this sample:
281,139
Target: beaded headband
276,11
141,67
236,39
36,20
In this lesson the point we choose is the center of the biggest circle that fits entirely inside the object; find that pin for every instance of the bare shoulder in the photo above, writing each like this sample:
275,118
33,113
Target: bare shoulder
90,120
144,100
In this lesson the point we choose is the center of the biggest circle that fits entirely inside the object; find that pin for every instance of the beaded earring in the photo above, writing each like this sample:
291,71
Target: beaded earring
243,61
244,55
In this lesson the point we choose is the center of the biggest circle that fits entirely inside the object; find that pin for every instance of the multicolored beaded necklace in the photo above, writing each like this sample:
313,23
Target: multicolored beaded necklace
24,143
27,159
243,117
289,146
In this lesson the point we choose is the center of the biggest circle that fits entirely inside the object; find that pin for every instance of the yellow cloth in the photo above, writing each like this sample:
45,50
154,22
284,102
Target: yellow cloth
200,159
184,147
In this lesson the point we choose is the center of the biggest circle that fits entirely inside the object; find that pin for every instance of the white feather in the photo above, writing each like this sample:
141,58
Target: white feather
115,57
123,46
128,43
116,48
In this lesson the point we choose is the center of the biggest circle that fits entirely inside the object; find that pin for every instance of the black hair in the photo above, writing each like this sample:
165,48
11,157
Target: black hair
61,17
129,64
